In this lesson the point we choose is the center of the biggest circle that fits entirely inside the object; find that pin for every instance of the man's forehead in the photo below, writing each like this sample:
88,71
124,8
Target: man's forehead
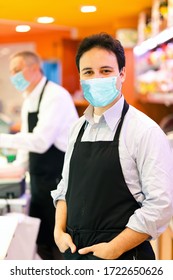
16,64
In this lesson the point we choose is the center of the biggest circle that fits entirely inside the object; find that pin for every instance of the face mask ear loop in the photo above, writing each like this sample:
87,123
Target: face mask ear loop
121,83
120,71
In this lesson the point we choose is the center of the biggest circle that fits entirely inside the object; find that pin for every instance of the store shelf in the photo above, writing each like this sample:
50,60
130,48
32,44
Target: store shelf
157,98
154,74
153,55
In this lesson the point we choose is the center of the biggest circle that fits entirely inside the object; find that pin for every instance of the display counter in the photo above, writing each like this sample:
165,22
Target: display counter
8,226
19,205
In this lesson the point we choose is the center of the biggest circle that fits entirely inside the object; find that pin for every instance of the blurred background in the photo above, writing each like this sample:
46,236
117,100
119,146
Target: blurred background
54,30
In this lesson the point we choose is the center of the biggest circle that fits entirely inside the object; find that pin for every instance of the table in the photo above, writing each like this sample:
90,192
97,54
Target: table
8,226
19,205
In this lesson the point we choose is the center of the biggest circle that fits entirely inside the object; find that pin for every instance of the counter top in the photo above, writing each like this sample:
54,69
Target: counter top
8,226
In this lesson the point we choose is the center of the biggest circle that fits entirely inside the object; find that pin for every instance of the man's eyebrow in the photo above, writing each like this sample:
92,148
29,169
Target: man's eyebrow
16,69
86,68
106,66
102,67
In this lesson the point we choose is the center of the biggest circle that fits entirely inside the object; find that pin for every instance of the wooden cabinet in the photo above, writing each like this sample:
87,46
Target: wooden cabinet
70,75
165,245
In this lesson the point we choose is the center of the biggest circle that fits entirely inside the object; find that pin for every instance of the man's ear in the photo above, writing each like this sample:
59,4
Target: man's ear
123,74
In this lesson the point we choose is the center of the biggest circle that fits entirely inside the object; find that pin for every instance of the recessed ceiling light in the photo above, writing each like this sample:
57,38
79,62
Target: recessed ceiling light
22,28
45,19
88,9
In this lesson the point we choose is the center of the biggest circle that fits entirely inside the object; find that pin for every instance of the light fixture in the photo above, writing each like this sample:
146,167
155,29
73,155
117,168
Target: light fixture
45,20
153,42
22,28
88,9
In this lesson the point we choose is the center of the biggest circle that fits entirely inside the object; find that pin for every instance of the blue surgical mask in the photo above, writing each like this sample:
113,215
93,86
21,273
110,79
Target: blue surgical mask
19,82
100,92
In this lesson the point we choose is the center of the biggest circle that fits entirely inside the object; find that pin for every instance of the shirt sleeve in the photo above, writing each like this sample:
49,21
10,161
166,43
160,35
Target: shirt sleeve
56,115
155,167
22,158
60,192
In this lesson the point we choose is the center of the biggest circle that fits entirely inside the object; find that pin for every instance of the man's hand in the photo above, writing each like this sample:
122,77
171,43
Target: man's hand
102,250
64,241
113,249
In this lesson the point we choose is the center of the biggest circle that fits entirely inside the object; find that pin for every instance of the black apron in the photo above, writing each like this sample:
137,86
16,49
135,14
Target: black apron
99,203
45,173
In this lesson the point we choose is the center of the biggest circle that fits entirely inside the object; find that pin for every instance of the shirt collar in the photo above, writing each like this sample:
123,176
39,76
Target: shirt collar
88,113
111,116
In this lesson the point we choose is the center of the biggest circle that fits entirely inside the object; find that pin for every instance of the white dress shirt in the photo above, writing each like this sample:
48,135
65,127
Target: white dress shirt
146,159
57,114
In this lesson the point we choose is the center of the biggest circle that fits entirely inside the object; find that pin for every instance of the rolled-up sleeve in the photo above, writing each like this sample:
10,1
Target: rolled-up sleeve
59,193
155,166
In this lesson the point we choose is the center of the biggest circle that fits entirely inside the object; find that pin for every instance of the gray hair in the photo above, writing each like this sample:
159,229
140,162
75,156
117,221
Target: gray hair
29,57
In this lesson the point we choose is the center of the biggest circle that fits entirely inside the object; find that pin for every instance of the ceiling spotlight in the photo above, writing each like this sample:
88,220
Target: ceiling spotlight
88,9
22,28
45,20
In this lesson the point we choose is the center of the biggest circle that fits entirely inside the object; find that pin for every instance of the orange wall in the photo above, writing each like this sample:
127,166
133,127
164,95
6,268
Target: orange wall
59,45
70,75
48,44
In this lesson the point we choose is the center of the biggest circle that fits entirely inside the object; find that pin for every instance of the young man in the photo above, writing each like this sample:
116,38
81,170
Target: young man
116,190
47,115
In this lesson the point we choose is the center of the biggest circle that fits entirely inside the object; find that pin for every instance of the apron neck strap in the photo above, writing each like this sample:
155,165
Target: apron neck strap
42,94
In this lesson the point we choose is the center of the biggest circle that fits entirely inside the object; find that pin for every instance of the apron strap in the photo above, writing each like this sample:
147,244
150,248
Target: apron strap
124,111
41,95
81,131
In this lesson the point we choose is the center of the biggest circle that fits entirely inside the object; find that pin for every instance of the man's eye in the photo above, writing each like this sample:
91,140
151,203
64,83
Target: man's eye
88,73
17,71
106,71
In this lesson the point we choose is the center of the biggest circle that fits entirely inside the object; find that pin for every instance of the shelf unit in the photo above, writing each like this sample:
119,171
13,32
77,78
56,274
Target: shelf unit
154,56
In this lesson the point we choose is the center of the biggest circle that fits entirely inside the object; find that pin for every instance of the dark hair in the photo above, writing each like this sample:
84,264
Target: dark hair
103,41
